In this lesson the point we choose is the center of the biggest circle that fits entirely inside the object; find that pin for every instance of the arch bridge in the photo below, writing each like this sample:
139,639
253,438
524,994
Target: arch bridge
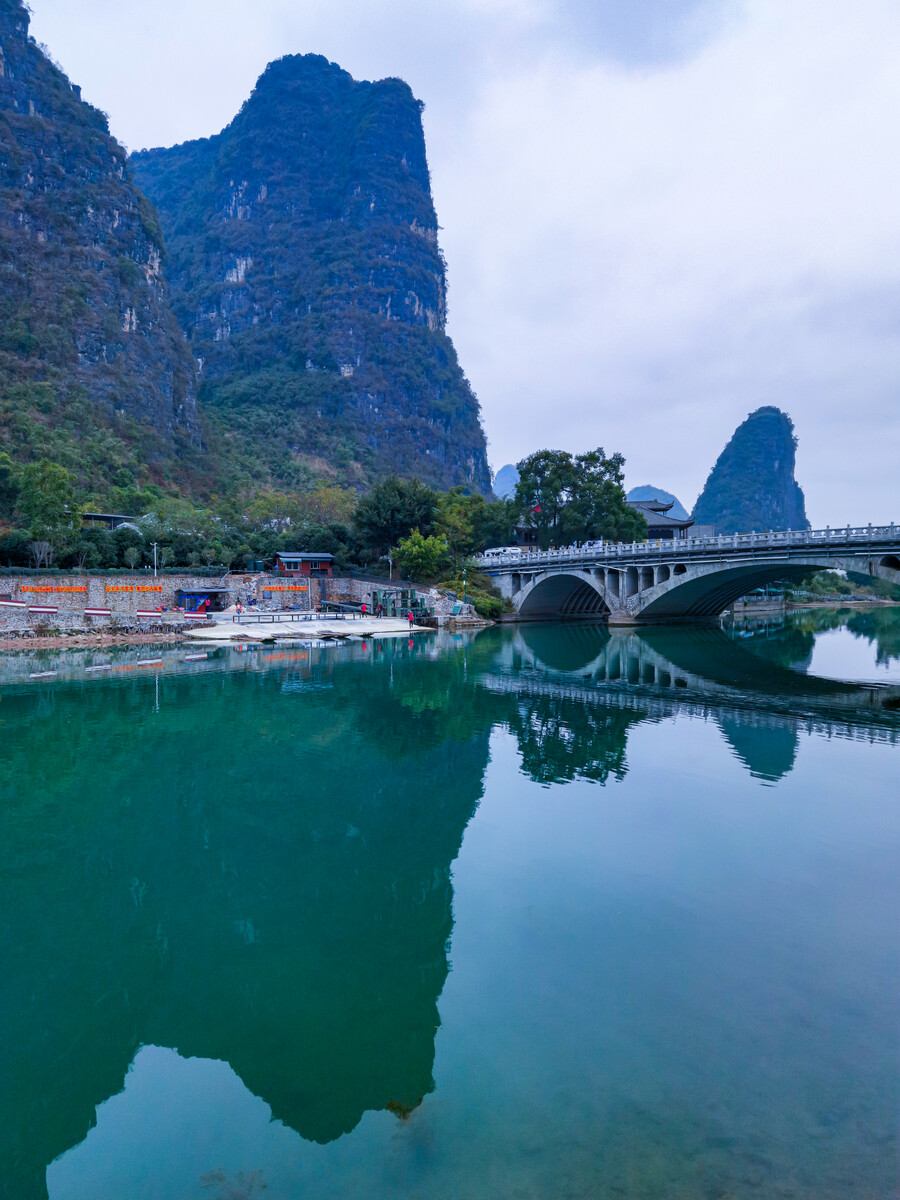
684,579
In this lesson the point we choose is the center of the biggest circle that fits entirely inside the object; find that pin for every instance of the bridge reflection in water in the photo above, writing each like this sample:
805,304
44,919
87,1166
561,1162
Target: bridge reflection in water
760,703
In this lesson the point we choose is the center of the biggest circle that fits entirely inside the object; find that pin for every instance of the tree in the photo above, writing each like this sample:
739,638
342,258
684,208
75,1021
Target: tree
125,539
132,556
87,554
9,486
41,553
271,510
102,547
454,522
327,505
421,557
566,498
470,523
494,522
46,502
391,510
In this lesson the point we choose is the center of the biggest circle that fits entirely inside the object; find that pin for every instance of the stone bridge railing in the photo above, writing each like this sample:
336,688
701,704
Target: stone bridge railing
851,536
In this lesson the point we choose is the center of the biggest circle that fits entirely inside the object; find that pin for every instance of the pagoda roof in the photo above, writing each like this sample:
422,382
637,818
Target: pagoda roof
656,514
656,506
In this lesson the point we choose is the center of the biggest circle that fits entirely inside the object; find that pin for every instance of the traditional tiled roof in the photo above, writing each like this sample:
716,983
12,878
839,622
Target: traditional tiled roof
657,506
657,516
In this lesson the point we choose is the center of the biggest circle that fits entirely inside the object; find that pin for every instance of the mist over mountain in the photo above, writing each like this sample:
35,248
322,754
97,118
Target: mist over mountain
752,485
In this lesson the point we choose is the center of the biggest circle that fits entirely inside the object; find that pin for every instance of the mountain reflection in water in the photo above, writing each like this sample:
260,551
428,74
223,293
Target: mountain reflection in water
260,873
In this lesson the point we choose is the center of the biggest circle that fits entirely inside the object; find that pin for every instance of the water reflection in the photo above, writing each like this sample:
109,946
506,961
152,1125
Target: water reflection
245,877
790,639
756,691
251,863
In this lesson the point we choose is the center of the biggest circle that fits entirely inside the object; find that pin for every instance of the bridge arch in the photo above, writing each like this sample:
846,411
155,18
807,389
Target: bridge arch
562,595
646,583
710,588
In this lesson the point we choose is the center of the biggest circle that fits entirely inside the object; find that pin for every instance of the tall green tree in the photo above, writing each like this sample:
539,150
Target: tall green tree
9,486
391,510
568,498
46,502
470,523
421,557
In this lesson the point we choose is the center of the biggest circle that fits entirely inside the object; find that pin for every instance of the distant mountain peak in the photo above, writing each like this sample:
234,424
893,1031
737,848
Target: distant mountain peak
505,482
752,485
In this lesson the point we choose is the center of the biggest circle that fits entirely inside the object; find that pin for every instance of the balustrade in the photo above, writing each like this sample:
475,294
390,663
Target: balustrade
690,547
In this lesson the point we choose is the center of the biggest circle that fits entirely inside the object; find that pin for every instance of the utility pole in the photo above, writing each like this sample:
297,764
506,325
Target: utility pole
390,565
154,545
465,583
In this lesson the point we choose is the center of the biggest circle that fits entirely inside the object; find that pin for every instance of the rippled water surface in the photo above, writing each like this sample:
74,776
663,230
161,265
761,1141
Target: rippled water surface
540,912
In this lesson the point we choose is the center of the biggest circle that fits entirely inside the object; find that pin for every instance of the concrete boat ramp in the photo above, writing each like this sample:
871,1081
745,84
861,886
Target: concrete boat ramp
267,627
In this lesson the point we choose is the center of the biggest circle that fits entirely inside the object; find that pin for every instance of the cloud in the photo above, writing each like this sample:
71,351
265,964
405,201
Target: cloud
662,252
658,214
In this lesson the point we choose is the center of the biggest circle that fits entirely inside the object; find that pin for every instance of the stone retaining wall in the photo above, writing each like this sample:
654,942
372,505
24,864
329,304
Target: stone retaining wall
121,593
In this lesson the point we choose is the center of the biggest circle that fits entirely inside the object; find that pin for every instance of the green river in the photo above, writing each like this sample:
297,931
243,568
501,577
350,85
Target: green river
535,913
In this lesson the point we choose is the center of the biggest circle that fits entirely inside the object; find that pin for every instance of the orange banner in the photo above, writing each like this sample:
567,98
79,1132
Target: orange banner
286,587
127,587
27,587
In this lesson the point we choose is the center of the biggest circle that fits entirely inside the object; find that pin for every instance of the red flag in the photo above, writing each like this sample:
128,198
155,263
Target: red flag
537,508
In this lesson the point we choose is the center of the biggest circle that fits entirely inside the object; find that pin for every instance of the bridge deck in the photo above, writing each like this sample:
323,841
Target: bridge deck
878,539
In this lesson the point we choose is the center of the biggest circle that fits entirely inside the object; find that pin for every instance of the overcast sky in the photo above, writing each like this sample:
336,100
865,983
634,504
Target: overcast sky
657,214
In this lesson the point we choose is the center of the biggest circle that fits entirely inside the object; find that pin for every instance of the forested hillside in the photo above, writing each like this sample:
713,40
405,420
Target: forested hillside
306,273
94,370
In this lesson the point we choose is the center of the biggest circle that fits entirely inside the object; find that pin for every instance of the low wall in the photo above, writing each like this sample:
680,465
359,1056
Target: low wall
121,593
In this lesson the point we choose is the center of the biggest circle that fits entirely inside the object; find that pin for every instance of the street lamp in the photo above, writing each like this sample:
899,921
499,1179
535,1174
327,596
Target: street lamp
154,545
465,583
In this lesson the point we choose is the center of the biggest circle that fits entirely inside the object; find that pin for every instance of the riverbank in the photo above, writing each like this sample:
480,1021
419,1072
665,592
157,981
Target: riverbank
87,641
848,602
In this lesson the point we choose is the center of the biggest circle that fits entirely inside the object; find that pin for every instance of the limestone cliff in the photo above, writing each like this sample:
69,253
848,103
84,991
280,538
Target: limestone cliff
307,275
752,485
89,346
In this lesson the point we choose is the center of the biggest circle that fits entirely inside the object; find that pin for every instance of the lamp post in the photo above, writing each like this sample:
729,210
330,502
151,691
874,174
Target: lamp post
154,545
390,565
465,583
